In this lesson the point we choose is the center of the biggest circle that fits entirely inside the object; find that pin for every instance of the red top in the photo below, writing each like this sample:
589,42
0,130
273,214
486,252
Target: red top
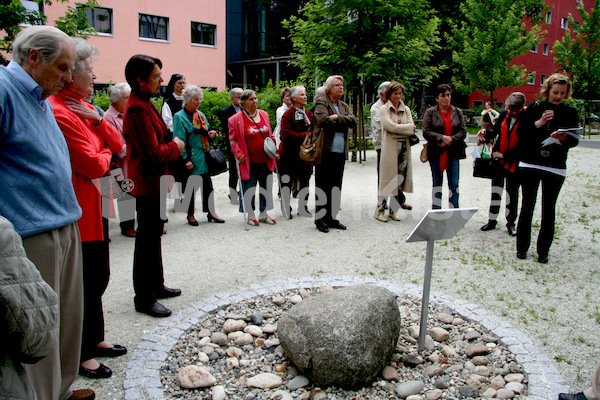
91,149
255,140
147,150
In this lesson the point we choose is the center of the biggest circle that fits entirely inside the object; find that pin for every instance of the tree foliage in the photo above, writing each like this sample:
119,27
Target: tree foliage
491,33
13,15
579,55
366,41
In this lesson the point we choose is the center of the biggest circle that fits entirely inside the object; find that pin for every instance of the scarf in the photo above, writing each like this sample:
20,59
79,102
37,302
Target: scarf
199,127
508,142
301,115
447,118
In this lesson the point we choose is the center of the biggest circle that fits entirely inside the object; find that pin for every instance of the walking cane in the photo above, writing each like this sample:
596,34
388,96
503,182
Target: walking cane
285,211
237,165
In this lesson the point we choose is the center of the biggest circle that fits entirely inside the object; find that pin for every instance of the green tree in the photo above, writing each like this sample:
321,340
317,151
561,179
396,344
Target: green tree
366,41
490,34
13,15
579,55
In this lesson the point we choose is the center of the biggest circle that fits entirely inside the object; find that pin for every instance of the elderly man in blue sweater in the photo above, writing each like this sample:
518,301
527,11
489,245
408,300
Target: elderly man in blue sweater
37,193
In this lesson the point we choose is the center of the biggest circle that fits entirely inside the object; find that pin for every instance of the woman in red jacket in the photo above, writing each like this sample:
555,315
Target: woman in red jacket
148,154
247,132
91,142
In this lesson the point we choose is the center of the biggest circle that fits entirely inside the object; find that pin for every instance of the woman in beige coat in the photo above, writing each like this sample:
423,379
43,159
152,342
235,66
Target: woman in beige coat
396,170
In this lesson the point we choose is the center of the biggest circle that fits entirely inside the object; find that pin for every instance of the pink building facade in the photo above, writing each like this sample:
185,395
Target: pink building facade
539,61
188,36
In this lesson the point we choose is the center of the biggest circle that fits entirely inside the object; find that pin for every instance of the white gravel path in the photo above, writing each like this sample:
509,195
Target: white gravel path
557,304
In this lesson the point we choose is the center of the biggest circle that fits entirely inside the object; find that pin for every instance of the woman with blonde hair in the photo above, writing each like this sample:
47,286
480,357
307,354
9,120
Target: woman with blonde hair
543,150
395,169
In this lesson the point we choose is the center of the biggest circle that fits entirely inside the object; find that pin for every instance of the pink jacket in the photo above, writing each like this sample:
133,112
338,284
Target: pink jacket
238,141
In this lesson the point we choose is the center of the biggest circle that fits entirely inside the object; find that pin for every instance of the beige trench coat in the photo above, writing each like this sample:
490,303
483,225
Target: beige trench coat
395,124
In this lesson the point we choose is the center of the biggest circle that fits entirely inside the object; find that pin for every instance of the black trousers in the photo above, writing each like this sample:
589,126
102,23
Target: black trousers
328,182
233,176
512,180
148,276
96,273
551,185
208,199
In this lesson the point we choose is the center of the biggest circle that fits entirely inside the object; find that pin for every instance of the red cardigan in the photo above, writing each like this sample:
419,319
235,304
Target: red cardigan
91,149
238,141
147,151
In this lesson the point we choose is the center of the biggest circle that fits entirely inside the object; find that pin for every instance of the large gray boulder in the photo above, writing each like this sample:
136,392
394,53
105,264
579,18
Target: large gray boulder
344,337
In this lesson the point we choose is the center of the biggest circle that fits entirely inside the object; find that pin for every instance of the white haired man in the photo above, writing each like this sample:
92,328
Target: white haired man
376,127
38,196
118,95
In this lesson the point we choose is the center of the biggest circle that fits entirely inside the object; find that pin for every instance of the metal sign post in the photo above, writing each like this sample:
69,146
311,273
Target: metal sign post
436,225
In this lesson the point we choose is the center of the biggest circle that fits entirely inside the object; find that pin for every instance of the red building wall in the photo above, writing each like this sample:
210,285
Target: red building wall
537,62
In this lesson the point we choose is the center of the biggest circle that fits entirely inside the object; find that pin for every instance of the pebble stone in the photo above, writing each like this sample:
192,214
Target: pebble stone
186,354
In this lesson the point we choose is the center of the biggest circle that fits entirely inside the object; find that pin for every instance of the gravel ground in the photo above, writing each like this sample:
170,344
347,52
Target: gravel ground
556,304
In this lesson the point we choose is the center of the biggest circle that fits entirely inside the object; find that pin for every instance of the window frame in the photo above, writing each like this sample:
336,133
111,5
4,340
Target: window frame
92,18
549,17
543,78
546,49
531,78
214,34
564,22
154,39
534,48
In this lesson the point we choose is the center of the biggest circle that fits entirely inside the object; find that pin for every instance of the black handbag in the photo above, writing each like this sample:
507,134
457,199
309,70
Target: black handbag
215,161
413,139
486,168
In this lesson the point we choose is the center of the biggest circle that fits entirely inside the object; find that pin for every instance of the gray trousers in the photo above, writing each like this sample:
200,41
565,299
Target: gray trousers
57,255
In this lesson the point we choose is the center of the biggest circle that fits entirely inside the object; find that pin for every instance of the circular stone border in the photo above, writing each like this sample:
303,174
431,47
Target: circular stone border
142,377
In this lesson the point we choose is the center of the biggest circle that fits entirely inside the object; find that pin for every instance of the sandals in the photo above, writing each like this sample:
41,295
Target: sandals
252,221
268,220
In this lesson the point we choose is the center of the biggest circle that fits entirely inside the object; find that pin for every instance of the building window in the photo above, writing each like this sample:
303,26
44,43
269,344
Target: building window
534,48
154,27
549,17
101,19
546,49
542,79
531,78
32,13
564,23
477,104
204,34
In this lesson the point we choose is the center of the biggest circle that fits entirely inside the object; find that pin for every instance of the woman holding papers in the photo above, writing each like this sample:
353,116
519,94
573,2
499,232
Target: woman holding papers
550,130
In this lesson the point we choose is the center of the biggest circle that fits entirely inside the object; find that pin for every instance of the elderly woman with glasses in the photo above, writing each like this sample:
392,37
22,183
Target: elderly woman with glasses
247,132
296,122
543,147
192,127
334,119
91,142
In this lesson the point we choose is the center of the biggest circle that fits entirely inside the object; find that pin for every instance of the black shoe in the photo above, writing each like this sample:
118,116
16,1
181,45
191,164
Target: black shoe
212,218
166,292
102,372
115,351
543,259
335,224
154,310
489,226
192,220
569,396
512,231
521,256
321,226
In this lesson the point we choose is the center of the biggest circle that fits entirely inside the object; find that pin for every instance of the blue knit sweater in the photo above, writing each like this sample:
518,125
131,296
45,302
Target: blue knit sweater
36,192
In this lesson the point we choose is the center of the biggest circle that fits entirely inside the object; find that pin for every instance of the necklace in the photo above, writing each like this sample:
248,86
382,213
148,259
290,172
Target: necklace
253,115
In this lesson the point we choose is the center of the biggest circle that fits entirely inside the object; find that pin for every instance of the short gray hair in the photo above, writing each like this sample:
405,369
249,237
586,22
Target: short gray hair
383,87
235,91
190,91
83,51
245,95
295,90
48,40
115,92
515,100
319,92
329,82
